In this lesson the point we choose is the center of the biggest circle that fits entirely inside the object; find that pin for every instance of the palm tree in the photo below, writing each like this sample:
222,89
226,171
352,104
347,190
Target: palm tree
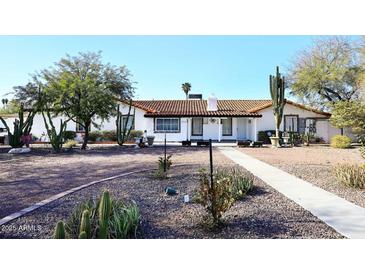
186,87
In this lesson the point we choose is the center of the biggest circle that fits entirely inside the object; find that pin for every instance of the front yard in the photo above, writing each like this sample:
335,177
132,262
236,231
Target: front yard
264,213
314,164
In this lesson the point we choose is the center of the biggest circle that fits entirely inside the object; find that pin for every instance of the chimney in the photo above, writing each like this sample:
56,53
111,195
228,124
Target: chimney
212,104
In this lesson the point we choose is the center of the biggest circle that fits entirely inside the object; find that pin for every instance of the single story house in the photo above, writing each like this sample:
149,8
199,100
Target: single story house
219,120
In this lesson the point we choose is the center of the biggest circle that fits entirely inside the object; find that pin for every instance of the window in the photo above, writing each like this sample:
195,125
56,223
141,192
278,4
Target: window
227,126
310,125
130,121
291,123
167,125
197,126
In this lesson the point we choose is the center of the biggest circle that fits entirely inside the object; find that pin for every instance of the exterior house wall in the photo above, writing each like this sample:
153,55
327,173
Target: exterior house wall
323,126
210,130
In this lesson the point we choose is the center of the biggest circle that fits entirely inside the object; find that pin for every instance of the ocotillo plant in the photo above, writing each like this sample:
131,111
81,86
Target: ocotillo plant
122,129
56,139
105,208
277,91
21,128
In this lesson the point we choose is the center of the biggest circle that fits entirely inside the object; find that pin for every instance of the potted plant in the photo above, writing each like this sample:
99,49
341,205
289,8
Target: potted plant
277,92
150,140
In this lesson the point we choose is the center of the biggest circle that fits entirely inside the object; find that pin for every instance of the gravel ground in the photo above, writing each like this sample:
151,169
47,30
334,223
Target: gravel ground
314,164
264,213
30,178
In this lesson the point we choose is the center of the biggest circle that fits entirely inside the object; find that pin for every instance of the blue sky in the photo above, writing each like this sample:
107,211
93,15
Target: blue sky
231,67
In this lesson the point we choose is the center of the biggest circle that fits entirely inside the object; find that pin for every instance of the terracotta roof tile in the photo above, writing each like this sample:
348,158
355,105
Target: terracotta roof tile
189,108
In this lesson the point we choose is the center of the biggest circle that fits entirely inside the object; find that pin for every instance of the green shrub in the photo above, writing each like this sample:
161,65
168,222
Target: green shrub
119,221
134,134
69,135
351,175
95,136
230,184
340,141
160,172
216,199
70,144
109,135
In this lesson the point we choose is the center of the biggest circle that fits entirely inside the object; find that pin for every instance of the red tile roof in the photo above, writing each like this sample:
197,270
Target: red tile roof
226,108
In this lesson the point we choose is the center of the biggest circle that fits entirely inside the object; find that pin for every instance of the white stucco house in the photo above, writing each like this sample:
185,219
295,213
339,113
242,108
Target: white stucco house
198,119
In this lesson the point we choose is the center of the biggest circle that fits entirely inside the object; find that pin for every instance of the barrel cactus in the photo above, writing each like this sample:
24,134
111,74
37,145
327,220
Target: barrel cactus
60,231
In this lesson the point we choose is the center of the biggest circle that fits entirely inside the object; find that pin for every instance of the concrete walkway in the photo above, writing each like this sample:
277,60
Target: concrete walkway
344,216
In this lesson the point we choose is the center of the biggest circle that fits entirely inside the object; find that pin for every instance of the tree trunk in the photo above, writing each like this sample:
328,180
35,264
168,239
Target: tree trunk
86,137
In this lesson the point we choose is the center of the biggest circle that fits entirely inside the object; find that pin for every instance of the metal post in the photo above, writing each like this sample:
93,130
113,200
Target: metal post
164,166
211,162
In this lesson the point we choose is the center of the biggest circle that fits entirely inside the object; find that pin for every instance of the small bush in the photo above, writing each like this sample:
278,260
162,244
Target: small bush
351,175
340,141
160,172
95,136
69,135
109,135
70,144
135,134
229,185
122,223
362,152
216,199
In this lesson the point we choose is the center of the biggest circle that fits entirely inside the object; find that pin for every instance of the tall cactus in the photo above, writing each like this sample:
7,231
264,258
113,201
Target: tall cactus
122,130
56,139
277,91
60,231
85,225
21,127
105,208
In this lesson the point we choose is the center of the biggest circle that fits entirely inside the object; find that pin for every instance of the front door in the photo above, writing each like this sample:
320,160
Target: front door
241,128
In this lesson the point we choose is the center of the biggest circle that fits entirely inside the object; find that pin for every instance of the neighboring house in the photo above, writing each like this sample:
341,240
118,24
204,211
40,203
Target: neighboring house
219,120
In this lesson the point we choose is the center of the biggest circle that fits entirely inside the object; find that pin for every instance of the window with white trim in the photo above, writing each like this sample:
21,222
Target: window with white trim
227,126
291,123
130,122
167,125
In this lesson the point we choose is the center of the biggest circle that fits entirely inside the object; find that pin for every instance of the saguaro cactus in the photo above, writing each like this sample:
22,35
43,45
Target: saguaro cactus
21,127
277,92
122,130
105,208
